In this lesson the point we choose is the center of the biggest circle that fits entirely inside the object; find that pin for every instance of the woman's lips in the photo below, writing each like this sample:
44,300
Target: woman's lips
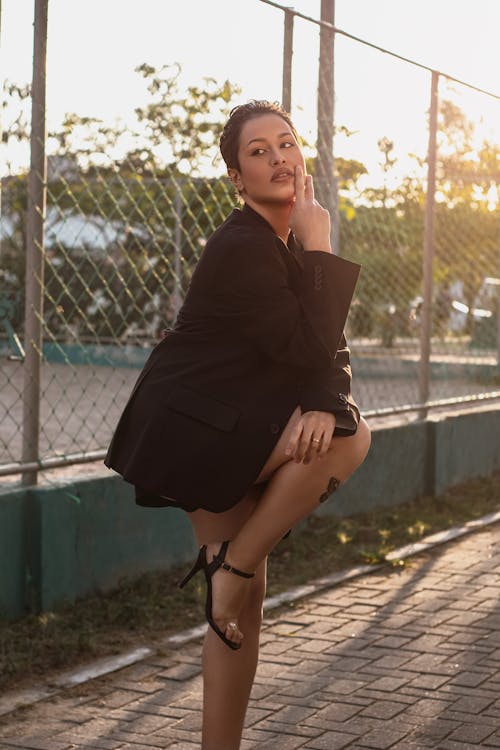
282,177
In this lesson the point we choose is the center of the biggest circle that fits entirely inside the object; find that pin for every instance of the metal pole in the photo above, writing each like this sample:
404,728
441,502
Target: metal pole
286,96
177,294
325,182
1,131
35,250
498,326
428,250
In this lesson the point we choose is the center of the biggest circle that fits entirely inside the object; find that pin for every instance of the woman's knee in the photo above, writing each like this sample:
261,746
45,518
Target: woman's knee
363,439
346,454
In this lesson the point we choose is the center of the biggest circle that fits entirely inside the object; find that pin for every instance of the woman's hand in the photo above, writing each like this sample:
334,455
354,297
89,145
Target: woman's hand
311,436
309,221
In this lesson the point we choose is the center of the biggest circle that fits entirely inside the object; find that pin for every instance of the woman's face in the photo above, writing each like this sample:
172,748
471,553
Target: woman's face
268,154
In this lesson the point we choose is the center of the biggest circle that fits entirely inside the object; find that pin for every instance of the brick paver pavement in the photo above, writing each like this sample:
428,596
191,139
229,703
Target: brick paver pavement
404,659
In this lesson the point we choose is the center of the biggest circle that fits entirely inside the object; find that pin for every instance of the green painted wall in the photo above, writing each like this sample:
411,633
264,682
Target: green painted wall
62,542
394,472
15,576
466,447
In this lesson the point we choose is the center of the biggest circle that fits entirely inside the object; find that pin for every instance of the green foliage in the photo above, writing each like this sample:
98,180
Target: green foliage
188,119
132,187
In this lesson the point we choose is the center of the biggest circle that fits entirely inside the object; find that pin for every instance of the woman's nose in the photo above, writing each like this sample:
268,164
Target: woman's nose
277,157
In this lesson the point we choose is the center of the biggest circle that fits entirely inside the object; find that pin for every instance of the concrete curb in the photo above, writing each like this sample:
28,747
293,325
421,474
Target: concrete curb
24,698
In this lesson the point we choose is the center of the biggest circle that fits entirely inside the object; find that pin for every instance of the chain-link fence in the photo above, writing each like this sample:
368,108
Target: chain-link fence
129,208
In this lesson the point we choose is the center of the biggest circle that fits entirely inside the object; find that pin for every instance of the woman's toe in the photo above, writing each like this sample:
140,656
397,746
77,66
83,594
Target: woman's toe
233,633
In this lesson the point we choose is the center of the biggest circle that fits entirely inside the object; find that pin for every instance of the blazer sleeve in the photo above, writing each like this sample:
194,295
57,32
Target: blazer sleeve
302,327
330,390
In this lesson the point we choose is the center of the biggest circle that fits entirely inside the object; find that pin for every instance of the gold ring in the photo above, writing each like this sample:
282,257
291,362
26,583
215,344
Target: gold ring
316,440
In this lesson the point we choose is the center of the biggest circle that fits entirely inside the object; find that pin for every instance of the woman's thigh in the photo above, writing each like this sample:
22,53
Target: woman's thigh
354,444
215,527
278,455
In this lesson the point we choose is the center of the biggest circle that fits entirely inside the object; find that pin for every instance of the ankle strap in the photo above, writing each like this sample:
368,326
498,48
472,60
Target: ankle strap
219,559
237,572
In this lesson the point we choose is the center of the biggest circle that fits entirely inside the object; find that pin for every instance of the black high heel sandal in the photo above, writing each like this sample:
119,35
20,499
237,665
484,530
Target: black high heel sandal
209,568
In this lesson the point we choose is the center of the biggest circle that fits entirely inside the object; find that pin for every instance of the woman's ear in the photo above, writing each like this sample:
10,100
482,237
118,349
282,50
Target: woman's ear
235,178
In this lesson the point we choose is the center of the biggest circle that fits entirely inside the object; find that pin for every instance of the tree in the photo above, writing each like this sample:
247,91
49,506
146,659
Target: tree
141,199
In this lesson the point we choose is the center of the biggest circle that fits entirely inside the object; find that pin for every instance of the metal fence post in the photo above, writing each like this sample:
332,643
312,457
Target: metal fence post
428,251
326,184
286,96
35,250
177,294
498,326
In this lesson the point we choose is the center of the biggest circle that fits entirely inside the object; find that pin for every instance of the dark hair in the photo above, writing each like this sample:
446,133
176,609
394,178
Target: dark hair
230,139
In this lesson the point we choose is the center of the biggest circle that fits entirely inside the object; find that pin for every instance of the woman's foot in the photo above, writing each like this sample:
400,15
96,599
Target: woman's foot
229,592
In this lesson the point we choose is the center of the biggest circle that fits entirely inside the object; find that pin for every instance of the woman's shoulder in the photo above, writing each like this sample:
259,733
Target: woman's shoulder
241,224
238,238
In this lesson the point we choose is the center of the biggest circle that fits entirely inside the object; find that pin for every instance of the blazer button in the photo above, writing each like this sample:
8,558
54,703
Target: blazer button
275,428
342,398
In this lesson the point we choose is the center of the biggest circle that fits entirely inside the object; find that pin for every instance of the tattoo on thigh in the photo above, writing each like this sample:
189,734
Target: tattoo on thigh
333,485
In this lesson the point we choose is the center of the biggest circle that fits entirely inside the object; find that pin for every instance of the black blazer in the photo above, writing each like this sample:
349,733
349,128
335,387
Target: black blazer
260,332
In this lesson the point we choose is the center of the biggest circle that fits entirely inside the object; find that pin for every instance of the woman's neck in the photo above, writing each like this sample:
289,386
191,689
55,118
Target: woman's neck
276,215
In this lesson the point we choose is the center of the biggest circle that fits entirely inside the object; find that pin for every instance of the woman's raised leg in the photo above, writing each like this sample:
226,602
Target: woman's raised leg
292,492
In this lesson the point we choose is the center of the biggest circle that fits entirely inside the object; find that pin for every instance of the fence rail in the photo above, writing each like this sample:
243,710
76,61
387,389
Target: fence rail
101,264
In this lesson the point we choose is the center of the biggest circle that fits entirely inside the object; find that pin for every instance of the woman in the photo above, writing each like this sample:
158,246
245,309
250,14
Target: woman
242,415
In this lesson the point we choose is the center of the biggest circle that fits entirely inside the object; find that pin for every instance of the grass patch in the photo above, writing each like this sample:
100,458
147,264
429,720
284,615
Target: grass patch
142,611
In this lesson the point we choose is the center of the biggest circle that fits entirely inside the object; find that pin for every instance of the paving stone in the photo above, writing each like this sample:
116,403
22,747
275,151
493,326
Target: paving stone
404,660
181,672
471,705
428,681
98,743
299,730
384,709
394,641
473,733
384,737
286,742
427,707
393,661
334,712
344,687
432,730
493,740
389,684
469,679
37,743
330,741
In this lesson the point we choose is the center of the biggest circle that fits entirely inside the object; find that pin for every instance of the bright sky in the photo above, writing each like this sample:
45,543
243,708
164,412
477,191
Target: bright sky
94,45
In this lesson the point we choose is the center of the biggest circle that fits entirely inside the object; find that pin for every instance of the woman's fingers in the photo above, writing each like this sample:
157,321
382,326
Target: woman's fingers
309,189
304,188
308,220
311,436
299,185
326,441
294,438
303,445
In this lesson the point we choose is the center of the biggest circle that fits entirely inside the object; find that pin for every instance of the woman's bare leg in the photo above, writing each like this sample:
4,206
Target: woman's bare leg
228,675
293,491
255,525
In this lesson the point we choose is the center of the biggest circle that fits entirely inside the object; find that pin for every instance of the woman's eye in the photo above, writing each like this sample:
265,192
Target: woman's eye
287,144
257,152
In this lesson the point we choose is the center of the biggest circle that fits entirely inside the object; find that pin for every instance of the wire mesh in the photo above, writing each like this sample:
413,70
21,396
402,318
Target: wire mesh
129,209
